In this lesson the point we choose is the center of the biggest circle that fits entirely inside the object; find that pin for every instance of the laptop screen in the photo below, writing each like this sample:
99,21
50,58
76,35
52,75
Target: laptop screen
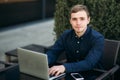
35,64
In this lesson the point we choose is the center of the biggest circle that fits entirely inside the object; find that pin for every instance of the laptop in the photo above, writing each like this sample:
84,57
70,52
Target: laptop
35,64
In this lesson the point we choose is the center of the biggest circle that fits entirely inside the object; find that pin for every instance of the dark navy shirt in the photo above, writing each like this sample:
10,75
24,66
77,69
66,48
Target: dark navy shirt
83,53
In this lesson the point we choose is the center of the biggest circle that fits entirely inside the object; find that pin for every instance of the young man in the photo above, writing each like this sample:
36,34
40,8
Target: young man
83,45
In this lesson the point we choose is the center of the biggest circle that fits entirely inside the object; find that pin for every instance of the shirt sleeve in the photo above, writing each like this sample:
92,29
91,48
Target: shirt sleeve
55,51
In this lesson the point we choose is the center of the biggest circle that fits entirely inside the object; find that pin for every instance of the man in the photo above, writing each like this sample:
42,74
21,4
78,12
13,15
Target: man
83,45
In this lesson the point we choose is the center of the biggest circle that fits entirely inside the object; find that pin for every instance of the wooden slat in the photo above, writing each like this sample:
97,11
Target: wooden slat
11,1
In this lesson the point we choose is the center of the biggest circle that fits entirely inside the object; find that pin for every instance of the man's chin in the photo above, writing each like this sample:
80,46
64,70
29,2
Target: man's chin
79,31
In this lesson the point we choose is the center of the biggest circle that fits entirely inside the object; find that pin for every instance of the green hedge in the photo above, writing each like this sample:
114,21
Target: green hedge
105,16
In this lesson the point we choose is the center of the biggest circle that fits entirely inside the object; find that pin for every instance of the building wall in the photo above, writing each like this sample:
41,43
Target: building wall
12,13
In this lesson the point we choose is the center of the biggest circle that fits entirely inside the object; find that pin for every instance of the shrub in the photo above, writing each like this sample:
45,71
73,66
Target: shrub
104,16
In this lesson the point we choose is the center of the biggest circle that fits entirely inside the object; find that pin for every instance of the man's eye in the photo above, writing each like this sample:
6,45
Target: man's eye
82,18
74,19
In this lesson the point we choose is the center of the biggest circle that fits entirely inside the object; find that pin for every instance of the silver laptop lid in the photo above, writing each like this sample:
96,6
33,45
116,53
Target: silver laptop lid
33,63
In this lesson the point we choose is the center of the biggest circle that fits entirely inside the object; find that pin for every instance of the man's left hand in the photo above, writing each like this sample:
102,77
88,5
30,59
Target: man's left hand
56,70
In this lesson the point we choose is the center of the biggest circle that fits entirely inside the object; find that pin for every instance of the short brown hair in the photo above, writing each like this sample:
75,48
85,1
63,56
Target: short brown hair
78,7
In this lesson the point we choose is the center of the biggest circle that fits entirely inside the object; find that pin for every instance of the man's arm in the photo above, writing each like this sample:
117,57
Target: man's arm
90,60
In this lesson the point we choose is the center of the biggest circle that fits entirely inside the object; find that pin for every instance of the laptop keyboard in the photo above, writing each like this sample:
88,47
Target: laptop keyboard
57,77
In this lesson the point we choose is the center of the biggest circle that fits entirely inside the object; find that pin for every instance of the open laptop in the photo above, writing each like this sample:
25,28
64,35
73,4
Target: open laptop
35,64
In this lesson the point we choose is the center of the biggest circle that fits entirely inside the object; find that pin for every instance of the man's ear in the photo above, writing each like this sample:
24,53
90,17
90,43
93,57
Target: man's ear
70,21
88,20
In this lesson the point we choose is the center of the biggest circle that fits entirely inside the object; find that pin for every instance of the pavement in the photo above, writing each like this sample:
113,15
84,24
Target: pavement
38,32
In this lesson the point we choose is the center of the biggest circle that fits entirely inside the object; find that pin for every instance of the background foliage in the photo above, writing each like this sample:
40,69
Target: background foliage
105,16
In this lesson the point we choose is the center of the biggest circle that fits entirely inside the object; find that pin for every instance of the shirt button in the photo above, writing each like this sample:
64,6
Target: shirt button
78,42
77,51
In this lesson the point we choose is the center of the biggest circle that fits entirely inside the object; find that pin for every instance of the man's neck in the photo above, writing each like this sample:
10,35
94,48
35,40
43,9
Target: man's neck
79,34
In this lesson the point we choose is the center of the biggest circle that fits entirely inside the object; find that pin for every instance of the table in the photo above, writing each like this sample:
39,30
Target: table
33,47
29,77
10,71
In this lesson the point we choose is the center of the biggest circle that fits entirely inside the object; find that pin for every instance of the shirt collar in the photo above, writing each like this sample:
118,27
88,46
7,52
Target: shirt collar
86,32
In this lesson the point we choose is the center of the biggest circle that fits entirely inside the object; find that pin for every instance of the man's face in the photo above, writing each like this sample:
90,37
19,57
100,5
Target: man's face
79,21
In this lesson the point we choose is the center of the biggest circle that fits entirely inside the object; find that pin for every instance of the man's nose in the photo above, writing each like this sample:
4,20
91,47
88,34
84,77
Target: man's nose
78,22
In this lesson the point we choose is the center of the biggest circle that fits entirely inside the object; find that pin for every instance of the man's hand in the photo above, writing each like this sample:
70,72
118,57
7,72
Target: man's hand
56,70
